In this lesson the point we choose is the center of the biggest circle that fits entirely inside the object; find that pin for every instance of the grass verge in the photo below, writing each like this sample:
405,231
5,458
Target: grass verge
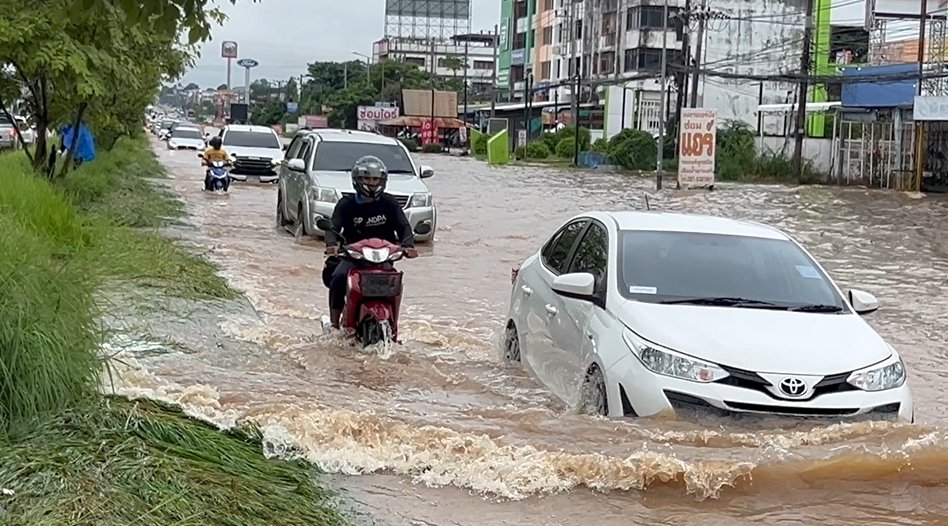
70,455
146,464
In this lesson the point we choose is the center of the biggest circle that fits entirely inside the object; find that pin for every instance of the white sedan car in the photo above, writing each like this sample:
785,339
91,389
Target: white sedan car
640,313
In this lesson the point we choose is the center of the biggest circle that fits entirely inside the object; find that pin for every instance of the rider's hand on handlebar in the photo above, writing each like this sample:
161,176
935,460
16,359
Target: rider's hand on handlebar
410,252
332,250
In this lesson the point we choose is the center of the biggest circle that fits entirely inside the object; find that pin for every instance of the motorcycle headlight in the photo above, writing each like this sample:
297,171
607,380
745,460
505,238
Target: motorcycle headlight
325,195
670,363
887,375
420,200
375,255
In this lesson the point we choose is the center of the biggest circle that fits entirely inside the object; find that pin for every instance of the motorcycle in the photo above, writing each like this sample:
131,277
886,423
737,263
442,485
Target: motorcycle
373,289
220,175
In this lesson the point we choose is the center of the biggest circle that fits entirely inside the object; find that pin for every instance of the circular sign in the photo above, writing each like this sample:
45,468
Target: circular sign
247,63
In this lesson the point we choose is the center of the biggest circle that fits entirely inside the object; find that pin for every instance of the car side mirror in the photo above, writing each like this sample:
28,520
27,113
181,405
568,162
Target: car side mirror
863,302
577,285
426,172
297,165
285,147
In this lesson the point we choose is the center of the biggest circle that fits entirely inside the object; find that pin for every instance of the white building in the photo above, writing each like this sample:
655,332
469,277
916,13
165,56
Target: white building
622,39
445,58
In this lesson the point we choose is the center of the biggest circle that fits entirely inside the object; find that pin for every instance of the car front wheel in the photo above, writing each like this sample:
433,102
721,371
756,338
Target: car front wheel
593,399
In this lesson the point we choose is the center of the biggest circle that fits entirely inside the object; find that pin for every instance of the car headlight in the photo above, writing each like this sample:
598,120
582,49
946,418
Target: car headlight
670,363
325,195
879,377
420,200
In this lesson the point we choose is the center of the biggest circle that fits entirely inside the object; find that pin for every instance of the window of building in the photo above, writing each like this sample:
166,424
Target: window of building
483,64
545,69
546,37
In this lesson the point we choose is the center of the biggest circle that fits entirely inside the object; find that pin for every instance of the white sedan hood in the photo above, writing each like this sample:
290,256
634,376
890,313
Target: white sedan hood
759,340
262,153
186,143
398,184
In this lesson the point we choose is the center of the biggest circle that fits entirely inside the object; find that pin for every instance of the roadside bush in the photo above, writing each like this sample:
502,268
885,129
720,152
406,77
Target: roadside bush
566,147
432,148
479,144
410,144
537,150
601,146
550,139
634,149
585,137
736,150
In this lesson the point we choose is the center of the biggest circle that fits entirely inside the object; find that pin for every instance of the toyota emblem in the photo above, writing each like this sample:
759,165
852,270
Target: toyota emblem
793,387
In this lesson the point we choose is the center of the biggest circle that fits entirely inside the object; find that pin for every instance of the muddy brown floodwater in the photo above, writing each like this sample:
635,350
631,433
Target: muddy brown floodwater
442,432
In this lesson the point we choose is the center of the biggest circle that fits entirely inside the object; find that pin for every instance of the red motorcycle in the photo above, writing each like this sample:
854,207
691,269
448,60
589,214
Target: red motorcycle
373,290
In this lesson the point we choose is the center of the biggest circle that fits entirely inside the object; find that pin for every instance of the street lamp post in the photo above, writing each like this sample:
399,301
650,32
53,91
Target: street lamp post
368,66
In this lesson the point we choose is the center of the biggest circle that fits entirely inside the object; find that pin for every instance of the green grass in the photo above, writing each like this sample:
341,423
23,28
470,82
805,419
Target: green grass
144,464
71,455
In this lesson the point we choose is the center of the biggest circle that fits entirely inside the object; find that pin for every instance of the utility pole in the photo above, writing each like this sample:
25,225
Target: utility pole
699,44
918,126
684,19
664,110
802,95
467,43
493,76
577,62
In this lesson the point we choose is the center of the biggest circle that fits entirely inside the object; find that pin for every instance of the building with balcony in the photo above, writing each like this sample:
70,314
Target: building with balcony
446,58
617,46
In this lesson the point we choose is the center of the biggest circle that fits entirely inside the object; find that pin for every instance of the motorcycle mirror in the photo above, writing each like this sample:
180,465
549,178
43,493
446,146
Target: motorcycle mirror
201,155
324,224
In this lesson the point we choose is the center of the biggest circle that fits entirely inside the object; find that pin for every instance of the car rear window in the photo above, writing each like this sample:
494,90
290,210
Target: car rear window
249,139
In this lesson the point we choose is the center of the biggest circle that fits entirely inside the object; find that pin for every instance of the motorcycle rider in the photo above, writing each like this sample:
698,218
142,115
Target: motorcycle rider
215,152
371,213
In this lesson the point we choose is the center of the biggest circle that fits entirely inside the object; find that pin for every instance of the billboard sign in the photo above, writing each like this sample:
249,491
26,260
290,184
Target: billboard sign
229,49
444,9
696,147
369,116
292,107
247,63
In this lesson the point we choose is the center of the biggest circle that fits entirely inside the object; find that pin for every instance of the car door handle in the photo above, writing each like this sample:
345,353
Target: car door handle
526,290
590,336
550,309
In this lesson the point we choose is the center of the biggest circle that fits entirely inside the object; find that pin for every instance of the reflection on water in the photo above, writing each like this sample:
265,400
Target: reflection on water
443,411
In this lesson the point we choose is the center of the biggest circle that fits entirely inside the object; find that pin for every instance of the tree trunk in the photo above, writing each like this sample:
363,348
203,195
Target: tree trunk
67,162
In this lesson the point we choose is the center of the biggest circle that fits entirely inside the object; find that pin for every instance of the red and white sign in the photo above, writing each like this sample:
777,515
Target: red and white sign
696,147
370,116
429,132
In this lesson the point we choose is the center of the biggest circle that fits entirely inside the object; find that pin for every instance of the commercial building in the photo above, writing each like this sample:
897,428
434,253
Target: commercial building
473,52
617,46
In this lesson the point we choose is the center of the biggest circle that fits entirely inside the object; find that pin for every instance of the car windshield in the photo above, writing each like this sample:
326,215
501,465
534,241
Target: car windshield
167,124
678,267
187,133
250,139
332,156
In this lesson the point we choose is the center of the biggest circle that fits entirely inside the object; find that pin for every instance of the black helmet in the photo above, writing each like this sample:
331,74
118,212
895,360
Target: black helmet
216,142
369,166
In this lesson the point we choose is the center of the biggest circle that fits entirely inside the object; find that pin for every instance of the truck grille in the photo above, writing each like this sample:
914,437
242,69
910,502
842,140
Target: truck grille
253,166
402,199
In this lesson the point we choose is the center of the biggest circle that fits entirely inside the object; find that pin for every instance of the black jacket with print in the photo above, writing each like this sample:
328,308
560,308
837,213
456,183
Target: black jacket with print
382,218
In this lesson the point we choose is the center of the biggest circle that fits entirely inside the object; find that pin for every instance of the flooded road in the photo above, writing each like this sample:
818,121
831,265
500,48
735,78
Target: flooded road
442,432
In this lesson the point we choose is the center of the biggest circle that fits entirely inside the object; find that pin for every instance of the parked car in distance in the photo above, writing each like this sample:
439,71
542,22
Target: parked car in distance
186,138
8,138
256,151
641,313
316,173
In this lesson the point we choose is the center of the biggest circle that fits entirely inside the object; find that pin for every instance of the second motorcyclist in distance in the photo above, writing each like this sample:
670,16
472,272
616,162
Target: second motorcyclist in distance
370,213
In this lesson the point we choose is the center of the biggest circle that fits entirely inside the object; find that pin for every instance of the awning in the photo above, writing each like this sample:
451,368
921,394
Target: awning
417,122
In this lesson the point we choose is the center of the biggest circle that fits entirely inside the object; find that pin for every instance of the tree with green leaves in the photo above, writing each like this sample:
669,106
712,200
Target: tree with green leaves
101,61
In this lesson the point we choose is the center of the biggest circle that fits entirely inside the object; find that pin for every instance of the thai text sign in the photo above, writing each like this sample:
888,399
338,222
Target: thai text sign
696,146
370,116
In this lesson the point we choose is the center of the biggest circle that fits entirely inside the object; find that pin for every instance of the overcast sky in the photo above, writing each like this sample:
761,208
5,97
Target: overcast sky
285,35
